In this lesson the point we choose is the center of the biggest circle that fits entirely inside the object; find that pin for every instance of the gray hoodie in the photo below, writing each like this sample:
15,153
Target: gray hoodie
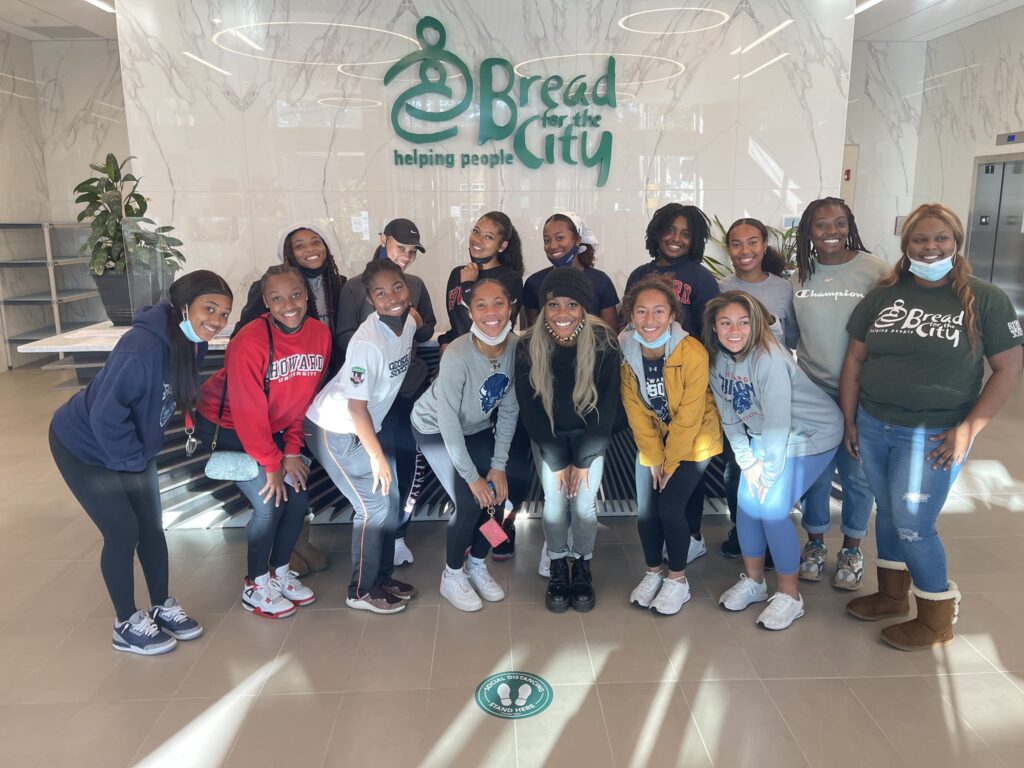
770,409
462,398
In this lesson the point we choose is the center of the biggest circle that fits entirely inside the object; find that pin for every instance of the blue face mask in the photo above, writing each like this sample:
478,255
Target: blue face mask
661,341
187,329
932,272
566,260
382,252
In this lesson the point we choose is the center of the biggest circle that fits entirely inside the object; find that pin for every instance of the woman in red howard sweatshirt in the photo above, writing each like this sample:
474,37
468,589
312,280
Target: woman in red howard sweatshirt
273,368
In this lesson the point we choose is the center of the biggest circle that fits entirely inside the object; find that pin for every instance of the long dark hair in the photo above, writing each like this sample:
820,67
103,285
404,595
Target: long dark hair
772,263
183,370
804,255
333,279
512,256
661,222
586,258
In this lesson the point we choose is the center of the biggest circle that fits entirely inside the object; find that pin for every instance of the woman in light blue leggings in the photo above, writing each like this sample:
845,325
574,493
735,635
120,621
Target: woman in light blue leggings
783,430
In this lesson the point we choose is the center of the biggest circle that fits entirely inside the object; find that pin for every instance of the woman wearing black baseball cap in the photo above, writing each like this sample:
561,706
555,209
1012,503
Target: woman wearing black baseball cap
567,385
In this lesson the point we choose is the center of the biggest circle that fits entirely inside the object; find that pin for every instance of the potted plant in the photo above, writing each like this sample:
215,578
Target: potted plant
783,240
130,255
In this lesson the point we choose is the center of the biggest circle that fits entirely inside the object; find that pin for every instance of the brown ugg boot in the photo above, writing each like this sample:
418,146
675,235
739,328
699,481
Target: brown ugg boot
315,559
298,565
933,628
892,598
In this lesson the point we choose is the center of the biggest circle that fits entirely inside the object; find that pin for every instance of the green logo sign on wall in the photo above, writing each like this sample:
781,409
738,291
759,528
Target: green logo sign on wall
567,129
513,695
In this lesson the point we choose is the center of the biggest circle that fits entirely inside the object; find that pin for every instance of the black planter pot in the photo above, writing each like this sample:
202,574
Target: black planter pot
122,296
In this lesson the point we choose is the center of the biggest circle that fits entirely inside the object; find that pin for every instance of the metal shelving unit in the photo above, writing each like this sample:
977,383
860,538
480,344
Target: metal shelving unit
41,249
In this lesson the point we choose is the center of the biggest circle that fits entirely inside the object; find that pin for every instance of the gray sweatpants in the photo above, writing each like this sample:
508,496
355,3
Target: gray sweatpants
376,516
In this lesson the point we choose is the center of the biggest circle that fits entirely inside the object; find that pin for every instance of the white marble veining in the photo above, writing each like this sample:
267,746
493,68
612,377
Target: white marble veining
974,90
886,93
23,193
82,115
231,159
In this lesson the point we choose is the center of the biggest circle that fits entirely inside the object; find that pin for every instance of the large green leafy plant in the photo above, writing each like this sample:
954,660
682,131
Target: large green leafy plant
120,229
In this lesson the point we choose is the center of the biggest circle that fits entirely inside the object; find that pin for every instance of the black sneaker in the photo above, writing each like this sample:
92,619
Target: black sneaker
398,588
582,594
731,546
557,597
141,635
507,549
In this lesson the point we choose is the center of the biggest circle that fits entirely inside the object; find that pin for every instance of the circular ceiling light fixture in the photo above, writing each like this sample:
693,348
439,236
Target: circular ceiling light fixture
330,101
344,69
217,39
723,18
679,65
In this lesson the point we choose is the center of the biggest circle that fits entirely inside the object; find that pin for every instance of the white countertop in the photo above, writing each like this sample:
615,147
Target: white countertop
100,337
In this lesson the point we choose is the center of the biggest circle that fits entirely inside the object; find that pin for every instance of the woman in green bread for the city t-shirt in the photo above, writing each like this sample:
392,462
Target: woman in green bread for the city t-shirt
913,403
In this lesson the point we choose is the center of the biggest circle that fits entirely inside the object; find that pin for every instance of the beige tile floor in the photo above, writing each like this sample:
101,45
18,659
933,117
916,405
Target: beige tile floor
332,687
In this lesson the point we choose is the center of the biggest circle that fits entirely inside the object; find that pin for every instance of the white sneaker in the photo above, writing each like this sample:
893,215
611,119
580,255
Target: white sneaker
293,589
263,598
455,588
484,584
403,555
647,589
782,611
697,549
544,569
744,592
672,596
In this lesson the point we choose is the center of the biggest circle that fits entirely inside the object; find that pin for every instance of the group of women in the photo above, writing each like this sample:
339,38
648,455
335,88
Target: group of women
847,364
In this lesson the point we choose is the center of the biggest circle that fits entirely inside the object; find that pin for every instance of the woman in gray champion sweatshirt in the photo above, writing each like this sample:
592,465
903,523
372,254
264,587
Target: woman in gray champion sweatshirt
783,431
452,423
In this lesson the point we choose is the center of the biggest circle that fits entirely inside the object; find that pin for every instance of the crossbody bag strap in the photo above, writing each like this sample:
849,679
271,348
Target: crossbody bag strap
224,392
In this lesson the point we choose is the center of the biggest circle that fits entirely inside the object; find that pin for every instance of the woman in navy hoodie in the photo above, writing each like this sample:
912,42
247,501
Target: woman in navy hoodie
105,439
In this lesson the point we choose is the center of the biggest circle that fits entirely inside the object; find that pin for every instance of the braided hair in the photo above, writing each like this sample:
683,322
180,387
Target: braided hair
333,279
805,251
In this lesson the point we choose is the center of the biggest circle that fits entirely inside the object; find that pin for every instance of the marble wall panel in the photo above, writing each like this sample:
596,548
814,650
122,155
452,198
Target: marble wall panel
231,157
23,193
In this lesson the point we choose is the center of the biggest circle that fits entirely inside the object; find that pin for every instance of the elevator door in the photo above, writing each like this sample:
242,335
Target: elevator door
996,242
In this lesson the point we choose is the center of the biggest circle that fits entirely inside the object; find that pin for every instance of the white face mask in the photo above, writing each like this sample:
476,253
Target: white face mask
492,341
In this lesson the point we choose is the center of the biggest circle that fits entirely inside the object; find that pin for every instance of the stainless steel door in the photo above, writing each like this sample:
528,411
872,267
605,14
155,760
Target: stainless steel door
1008,261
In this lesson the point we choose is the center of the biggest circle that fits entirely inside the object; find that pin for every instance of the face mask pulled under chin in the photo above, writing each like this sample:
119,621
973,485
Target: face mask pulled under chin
491,341
932,271
395,322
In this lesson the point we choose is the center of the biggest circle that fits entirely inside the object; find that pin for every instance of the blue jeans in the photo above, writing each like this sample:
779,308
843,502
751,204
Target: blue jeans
272,531
580,511
375,517
766,524
857,498
910,495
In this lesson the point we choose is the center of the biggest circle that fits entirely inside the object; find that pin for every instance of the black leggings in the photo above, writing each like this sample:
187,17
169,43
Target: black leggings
125,506
464,525
665,517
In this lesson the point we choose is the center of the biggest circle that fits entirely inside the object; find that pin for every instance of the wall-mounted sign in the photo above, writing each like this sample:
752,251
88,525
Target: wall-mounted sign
552,120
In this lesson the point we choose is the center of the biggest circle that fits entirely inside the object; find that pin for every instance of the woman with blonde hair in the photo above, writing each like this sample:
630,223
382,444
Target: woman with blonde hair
567,386
913,403
783,430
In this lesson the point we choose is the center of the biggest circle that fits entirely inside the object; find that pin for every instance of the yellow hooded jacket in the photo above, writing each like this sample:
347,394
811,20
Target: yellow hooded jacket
694,432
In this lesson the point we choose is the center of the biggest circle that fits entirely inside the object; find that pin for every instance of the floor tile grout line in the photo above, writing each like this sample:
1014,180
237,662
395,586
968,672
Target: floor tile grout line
872,718
596,687
945,700
433,650
785,722
330,735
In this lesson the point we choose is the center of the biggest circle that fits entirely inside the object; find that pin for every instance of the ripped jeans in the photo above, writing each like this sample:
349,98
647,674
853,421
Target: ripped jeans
909,495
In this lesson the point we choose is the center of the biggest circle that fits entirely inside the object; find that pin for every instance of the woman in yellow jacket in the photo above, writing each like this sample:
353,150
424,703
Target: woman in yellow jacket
675,423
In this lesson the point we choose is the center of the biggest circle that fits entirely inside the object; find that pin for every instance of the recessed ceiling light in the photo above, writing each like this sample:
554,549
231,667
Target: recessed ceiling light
723,18
680,65
101,5
330,101
218,36
205,63
765,36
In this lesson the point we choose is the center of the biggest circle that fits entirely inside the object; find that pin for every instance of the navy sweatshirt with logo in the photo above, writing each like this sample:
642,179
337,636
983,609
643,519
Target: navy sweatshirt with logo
118,420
